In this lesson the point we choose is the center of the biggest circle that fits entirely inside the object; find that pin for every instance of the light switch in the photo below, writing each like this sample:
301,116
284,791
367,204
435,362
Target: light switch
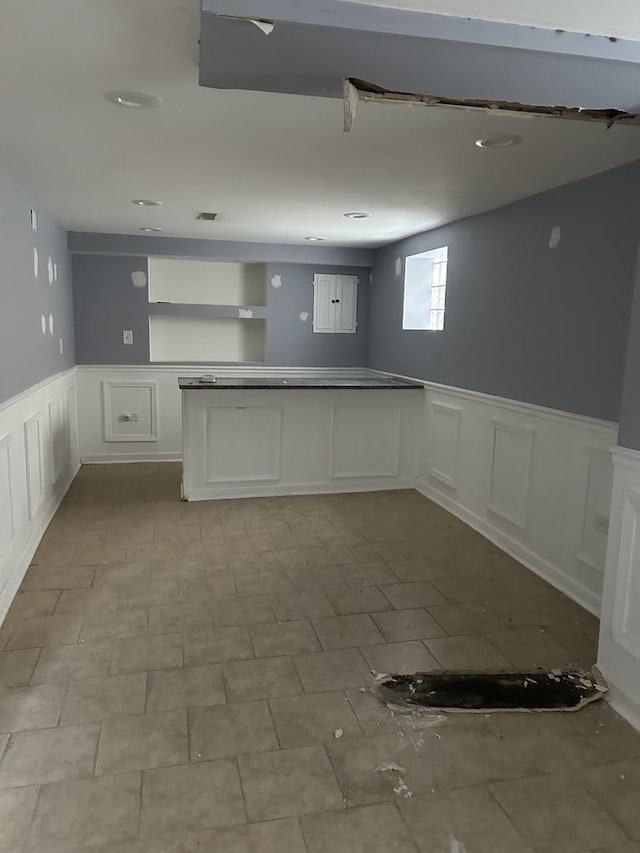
127,336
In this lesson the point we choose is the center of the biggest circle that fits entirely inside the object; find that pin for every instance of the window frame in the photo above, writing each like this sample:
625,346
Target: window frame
431,303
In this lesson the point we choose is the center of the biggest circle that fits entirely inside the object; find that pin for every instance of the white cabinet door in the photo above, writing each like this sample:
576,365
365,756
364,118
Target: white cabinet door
335,300
323,307
346,303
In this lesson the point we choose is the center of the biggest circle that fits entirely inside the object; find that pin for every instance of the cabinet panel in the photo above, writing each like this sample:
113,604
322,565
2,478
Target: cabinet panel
243,443
345,305
324,288
335,299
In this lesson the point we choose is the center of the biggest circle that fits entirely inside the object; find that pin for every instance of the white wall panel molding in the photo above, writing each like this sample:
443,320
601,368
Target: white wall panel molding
59,438
34,462
38,461
619,651
444,439
511,471
365,440
545,475
130,410
596,486
626,614
243,443
7,527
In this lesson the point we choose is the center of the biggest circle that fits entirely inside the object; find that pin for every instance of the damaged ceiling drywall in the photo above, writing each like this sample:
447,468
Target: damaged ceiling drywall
355,91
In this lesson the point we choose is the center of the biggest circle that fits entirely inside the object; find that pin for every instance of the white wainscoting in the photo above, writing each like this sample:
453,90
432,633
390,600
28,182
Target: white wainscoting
535,481
619,651
166,445
38,461
250,442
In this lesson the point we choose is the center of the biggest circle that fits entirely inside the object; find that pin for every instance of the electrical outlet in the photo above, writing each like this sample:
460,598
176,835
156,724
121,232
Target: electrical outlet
601,523
127,336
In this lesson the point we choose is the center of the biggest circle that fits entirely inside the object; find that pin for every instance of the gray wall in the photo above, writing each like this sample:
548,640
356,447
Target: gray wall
26,355
106,302
629,433
290,341
81,242
524,321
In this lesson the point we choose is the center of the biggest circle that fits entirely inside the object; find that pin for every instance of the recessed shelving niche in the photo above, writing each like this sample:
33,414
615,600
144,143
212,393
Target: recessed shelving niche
206,339
207,282
206,311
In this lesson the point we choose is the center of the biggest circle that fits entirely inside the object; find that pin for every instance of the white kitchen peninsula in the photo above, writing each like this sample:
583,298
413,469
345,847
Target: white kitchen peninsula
245,437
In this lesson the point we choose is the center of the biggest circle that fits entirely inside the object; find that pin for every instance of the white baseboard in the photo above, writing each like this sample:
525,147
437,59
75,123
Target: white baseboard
20,562
112,458
621,702
535,562
332,488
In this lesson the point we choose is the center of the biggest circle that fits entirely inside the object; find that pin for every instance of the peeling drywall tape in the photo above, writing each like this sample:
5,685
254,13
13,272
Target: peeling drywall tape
304,316
61,347
35,262
50,324
34,220
43,324
139,278
554,239
276,281
245,313
398,267
55,272
266,27
50,270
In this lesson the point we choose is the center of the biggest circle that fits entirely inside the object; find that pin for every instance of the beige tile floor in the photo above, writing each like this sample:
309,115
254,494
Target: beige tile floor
172,677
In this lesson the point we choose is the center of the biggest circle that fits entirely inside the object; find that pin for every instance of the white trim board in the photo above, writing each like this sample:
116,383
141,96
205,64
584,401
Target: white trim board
501,402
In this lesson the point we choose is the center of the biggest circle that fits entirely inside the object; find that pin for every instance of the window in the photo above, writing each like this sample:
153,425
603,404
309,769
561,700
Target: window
425,285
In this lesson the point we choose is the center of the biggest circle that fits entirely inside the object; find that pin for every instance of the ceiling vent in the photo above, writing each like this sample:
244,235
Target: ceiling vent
207,217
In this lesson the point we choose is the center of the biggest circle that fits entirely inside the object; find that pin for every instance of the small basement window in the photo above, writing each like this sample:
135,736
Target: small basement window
425,285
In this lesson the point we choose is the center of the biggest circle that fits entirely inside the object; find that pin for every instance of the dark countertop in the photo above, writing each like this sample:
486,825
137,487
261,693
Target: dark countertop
191,383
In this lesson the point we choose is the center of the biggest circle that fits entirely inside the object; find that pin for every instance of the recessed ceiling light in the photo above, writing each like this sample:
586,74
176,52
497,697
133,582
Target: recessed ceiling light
503,140
134,100
357,215
314,239
150,228
146,202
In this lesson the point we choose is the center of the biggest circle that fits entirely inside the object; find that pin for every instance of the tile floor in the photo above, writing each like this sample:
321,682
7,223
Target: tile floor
172,677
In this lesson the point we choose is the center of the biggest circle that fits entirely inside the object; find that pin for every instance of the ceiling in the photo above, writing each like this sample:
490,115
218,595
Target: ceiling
277,167
619,18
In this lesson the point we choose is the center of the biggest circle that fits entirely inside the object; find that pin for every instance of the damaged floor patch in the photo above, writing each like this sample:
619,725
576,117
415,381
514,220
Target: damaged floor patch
458,691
